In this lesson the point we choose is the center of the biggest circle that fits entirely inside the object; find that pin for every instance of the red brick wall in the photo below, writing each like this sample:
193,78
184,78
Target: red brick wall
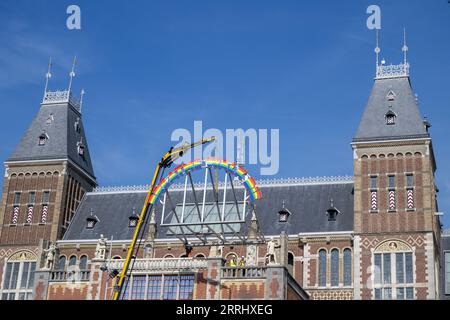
58,291
401,220
242,289
24,183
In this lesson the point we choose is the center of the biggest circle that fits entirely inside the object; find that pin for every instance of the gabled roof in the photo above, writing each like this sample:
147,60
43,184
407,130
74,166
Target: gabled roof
307,202
58,122
391,94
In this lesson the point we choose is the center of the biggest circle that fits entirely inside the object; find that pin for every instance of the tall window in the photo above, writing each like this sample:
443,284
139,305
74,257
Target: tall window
322,268
156,287
393,272
138,290
170,287
391,193
347,267
16,208
334,267
409,191
18,279
186,285
62,263
447,272
291,263
72,261
373,193
83,263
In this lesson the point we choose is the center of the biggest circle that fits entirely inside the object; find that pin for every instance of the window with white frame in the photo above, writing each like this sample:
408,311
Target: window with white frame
322,268
157,287
393,263
18,279
334,268
447,272
347,267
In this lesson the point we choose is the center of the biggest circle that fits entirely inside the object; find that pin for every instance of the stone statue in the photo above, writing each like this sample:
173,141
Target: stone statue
50,256
271,252
148,251
251,255
216,250
100,250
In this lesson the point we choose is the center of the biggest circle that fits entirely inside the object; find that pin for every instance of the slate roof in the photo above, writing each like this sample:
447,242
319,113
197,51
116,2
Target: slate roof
308,204
62,137
408,122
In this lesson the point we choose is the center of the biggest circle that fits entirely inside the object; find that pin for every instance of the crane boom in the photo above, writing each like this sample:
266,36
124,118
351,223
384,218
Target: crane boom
172,155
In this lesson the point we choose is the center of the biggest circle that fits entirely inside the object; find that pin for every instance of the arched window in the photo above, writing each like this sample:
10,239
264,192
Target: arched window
334,267
322,268
72,261
168,256
200,256
62,263
393,271
347,267
18,276
83,262
291,263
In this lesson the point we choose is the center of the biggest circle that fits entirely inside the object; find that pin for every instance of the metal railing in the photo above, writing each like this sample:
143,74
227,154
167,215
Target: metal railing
64,96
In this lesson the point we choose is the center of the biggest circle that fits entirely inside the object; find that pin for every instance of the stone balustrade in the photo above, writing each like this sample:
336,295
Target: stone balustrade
70,276
169,264
243,272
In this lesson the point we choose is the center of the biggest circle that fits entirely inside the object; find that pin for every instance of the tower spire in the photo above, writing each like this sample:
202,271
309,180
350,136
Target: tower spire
72,72
81,98
48,75
405,47
377,50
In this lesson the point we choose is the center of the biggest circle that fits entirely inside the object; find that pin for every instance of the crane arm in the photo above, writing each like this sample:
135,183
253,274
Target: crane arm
170,156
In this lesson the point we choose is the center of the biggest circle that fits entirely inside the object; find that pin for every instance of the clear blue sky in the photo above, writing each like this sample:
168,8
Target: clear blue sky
149,67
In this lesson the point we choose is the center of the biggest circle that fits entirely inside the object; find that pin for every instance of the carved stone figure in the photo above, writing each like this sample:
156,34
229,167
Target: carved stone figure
271,251
100,250
216,250
251,255
50,256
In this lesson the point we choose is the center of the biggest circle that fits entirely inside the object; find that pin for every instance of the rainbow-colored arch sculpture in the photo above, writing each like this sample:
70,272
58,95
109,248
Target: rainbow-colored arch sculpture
181,170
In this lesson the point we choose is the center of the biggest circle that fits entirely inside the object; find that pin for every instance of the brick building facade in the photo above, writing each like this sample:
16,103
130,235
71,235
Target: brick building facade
375,235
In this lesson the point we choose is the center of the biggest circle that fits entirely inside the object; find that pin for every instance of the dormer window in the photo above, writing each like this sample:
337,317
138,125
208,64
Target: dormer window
50,119
80,148
91,220
390,96
284,213
133,219
332,212
77,125
43,139
390,117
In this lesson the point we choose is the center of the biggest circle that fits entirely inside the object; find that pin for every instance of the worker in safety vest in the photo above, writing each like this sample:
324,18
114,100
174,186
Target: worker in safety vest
233,262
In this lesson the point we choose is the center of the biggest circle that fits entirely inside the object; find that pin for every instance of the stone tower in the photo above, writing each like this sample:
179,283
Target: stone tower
45,179
397,231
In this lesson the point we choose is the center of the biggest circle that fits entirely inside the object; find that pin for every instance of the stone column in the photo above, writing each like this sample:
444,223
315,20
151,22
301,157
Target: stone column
214,278
276,283
95,281
41,279
283,256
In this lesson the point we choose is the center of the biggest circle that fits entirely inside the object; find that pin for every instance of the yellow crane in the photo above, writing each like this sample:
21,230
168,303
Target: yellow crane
170,156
